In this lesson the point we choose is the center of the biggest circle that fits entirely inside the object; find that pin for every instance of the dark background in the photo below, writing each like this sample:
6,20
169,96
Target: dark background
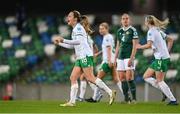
38,7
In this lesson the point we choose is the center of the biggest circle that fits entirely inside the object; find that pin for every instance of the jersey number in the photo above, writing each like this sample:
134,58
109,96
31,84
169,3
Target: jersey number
84,60
123,38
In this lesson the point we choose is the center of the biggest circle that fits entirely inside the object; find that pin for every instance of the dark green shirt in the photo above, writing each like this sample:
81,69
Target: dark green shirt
125,38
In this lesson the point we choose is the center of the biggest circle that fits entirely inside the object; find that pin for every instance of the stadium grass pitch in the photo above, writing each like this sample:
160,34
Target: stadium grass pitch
84,107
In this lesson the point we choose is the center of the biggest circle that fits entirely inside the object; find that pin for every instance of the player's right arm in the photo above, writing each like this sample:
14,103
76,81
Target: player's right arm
66,45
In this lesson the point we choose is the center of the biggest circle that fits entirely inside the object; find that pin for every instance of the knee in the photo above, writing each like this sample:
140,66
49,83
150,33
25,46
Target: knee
145,79
91,79
116,80
145,76
122,79
72,79
159,80
128,79
82,78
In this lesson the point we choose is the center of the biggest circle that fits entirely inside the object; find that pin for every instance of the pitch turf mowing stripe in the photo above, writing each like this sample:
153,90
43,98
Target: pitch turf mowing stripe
89,113
84,107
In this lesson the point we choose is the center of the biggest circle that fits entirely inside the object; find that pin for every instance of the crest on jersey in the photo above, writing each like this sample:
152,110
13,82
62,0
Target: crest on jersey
107,40
79,29
135,33
127,32
149,34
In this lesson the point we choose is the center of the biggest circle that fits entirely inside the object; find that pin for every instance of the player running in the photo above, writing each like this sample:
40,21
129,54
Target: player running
107,65
156,39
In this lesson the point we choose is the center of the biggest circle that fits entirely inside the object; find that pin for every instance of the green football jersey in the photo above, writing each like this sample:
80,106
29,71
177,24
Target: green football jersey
125,38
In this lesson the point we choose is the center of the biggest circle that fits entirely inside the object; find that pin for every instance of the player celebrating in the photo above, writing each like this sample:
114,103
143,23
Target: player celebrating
108,59
127,39
84,56
156,39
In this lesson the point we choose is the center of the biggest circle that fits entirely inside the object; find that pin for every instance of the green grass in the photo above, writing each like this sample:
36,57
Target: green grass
84,107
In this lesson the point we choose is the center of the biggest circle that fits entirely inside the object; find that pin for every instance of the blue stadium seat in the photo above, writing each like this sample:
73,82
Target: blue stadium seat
50,20
98,40
45,38
9,52
16,41
40,79
57,65
32,60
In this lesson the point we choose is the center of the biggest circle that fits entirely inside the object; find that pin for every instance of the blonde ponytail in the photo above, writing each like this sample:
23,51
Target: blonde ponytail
154,21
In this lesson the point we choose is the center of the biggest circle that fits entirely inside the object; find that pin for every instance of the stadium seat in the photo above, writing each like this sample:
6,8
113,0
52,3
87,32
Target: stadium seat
16,42
45,38
148,52
64,30
49,49
20,53
32,60
26,39
7,43
175,36
19,49
57,66
171,74
4,69
174,56
10,20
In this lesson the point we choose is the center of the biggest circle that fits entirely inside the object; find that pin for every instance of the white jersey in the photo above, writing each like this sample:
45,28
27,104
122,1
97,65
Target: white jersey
108,40
159,46
82,50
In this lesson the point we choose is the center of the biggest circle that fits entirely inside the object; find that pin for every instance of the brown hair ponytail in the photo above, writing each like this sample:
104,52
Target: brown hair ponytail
85,23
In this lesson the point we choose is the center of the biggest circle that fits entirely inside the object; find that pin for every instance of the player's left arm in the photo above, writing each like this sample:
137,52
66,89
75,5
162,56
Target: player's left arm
134,50
169,42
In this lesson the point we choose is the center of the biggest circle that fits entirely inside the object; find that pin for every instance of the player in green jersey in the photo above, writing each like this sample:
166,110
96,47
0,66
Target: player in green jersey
127,38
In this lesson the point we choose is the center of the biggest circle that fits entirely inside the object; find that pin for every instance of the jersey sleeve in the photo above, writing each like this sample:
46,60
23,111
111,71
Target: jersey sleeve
108,41
72,42
66,45
150,36
79,31
135,34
